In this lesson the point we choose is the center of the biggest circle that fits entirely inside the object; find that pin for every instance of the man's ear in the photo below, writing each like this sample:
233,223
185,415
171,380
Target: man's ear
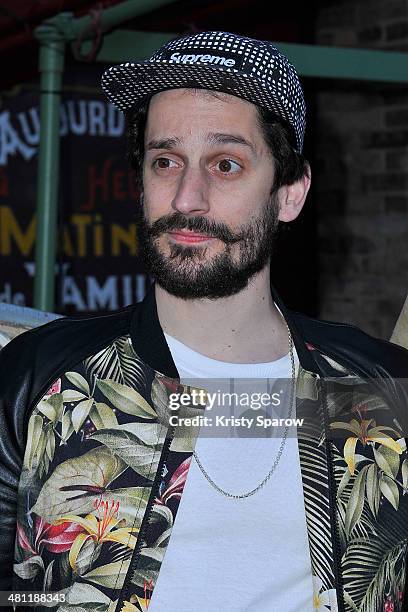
291,198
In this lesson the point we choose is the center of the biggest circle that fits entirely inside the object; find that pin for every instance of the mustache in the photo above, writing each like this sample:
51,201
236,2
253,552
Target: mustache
178,221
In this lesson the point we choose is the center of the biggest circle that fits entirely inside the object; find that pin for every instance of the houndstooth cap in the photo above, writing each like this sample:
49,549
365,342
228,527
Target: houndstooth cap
251,69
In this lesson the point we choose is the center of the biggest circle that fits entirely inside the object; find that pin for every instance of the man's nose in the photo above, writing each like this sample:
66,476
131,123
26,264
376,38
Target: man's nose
192,192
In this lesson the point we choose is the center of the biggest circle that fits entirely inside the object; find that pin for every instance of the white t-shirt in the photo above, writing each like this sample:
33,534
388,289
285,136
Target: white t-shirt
237,555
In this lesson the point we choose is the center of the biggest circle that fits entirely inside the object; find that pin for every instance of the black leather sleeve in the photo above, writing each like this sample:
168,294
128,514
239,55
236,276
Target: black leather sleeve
15,391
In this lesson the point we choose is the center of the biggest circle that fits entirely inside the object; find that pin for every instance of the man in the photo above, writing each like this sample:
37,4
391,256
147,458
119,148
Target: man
112,504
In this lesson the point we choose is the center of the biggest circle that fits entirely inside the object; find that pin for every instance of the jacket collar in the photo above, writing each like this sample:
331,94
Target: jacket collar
151,346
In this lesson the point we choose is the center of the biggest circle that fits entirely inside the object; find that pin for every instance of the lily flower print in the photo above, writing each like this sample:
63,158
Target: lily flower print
100,529
54,538
365,431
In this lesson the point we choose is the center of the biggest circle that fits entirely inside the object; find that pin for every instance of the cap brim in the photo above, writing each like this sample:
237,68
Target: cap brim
126,84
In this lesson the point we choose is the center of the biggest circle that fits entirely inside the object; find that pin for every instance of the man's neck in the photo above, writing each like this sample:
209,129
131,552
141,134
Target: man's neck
242,328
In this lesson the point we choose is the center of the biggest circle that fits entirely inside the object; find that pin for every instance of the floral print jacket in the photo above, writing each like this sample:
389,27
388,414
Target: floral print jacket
91,472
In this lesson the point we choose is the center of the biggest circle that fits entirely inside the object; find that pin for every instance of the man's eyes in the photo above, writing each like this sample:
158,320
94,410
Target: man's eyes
228,166
163,163
224,166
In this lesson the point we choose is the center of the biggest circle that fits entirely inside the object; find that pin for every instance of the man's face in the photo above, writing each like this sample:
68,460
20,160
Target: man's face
208,218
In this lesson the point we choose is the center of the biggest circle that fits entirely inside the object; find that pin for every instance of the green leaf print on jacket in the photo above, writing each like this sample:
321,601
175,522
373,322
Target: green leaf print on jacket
372,508
75,483
87,479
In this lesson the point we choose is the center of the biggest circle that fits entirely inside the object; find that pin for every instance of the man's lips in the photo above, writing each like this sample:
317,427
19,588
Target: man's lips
187,236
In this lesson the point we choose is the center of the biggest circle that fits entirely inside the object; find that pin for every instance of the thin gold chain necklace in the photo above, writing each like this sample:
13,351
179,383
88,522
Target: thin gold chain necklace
281,446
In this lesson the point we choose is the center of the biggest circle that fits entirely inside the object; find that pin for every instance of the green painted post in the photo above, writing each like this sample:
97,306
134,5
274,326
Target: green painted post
51,64
117,14
52,36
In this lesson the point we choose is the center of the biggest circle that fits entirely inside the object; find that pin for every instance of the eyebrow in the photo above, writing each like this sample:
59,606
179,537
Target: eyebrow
214,138
163,143
221,138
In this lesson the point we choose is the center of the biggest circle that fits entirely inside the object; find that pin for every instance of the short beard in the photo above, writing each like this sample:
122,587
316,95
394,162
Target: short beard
185,272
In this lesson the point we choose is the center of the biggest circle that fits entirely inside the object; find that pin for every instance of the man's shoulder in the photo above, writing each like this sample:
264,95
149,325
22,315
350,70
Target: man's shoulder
352,346
73,332
36,355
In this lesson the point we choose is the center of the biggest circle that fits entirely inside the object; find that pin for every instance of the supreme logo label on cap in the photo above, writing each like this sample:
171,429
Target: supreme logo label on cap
196,56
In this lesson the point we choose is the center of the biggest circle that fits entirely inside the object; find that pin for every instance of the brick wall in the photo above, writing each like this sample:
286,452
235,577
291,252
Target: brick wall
361,173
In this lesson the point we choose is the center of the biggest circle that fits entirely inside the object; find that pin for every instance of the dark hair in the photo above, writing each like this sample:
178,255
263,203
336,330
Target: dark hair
290,165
